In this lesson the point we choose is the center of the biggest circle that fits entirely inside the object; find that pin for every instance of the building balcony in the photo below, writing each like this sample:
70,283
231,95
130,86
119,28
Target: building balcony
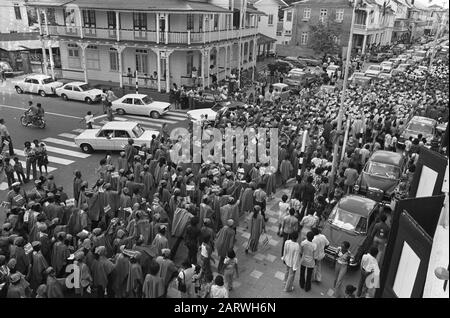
364,29
170,37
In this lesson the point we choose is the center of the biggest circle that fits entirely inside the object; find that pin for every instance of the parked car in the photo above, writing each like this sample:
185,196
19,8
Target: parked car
418,125
373,71
210,114
403,67
385,76
310,61
388,54
362,80
140,104
79,91
379,57
208,100
332,69
37,83
350,221
113,136
403,58
7,69
395,62
380,175
295,77
386,66
282,90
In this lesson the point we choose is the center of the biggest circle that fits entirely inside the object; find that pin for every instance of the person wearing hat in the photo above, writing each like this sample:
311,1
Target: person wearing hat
37,193
230,211
167,269
130,152
60,253
225,242
101,268
54,288
16,288
180,220
153,286
147,179
256,227
22,260
122,163
17,197
38,266
160,242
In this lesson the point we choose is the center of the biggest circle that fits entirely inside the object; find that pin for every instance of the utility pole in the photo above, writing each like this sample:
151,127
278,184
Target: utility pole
343,95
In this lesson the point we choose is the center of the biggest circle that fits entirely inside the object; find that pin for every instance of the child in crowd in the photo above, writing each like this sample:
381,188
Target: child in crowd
231,268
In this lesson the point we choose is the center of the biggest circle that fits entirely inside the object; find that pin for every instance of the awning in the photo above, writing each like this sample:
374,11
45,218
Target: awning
263,39
12,46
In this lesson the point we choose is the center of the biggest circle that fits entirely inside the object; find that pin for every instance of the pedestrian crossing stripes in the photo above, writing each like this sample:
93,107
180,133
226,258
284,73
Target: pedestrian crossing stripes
152,123
58,160
67,152
61,142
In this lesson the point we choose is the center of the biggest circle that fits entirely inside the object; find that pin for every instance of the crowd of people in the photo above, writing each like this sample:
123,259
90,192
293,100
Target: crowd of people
123,232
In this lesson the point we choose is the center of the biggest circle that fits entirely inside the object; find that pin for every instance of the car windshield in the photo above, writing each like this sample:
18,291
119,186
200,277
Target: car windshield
48,80
217,107
421,128
348,221
138,131
420,54
375,68
147,100
85,87
383,170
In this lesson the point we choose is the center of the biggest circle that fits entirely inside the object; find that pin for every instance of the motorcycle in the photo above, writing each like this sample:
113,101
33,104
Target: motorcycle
27,120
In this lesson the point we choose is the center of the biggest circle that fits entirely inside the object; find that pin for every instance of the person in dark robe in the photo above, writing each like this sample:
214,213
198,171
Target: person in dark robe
256,228
247,198
180,220
167,269
130,151
124,203
15,288
101,269
135,277
286,169
149,183
137,168
120,273
60,253
159,170
153,286
191,239
77,181
44,239
206,211
38,266
82,199
22,259
225,242
122,163
54,287
142,226
230,211
207,232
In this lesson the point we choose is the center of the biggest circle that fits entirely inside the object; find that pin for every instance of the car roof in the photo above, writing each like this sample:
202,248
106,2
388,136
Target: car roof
38,76
357,204
281,85
134,95
423,120
387,157
76,83
120,125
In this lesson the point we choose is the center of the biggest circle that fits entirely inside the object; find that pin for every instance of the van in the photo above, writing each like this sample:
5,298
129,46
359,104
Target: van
295,77
282,90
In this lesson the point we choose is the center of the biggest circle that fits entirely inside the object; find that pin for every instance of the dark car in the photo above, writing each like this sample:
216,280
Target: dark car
381,175
418,125
379,57
350,221
208,100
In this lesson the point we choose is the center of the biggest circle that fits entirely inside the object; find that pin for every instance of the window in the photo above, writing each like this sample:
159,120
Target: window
138,101
68,87
289,16
89,18
304,38
113,59
141,61
127,101
200,22
17,12
107,133
306,13
140,21
216,21
121,134
92,58
259,18
339,15
270,21
69,17
76,89
74,56
288,32
190,22
112,23
323,15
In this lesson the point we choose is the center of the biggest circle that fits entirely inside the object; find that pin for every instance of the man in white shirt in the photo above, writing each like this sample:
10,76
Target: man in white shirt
321,242
291,255
369,265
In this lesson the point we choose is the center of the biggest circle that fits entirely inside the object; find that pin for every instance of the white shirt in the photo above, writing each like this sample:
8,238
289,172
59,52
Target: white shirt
321,241
291,254
369,264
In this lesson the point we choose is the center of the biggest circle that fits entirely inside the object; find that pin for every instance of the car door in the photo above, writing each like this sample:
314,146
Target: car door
67,91
139,107
126,104
35,86
104,140
120,139
26,84
77,93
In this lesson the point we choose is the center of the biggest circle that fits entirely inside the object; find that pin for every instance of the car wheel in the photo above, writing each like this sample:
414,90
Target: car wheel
154,114
42,93
120,111
19,90
86,148
88,100
64,96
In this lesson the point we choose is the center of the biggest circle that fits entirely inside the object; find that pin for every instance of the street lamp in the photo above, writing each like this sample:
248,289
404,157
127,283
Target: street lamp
343,93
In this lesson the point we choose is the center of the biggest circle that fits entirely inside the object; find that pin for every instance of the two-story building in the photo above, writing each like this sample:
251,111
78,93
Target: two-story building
13,16
162,41
284,32
401,29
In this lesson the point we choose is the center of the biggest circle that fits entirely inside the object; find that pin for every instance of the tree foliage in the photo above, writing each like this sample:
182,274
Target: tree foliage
322,39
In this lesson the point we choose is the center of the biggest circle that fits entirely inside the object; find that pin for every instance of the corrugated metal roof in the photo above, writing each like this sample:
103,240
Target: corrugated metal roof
140,5
12,46
265,39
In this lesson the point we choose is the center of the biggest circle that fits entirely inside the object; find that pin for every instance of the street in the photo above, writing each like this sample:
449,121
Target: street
261,274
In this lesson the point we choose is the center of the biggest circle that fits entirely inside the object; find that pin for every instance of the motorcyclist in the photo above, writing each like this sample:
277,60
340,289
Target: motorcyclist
34,113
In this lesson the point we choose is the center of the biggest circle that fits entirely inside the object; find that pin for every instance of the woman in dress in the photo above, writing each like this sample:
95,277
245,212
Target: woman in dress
342,259
42,157
256,228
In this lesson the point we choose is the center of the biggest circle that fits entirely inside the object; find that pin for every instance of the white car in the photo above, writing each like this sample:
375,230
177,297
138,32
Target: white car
386,66
355,75
373,71
332,69
140,104
210,114
385,76
113,136
38,83
79,91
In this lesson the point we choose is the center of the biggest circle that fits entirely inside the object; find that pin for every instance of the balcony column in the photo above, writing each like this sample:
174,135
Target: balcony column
80,20
157,28
83,47
120,49
363,50
118,28
226,60
50,52
158,68
208,62
205,16
166,31
167,54
211,27
203,53
41,36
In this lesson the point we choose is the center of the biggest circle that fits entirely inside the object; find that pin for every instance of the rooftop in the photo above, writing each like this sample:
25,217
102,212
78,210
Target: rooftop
357,204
